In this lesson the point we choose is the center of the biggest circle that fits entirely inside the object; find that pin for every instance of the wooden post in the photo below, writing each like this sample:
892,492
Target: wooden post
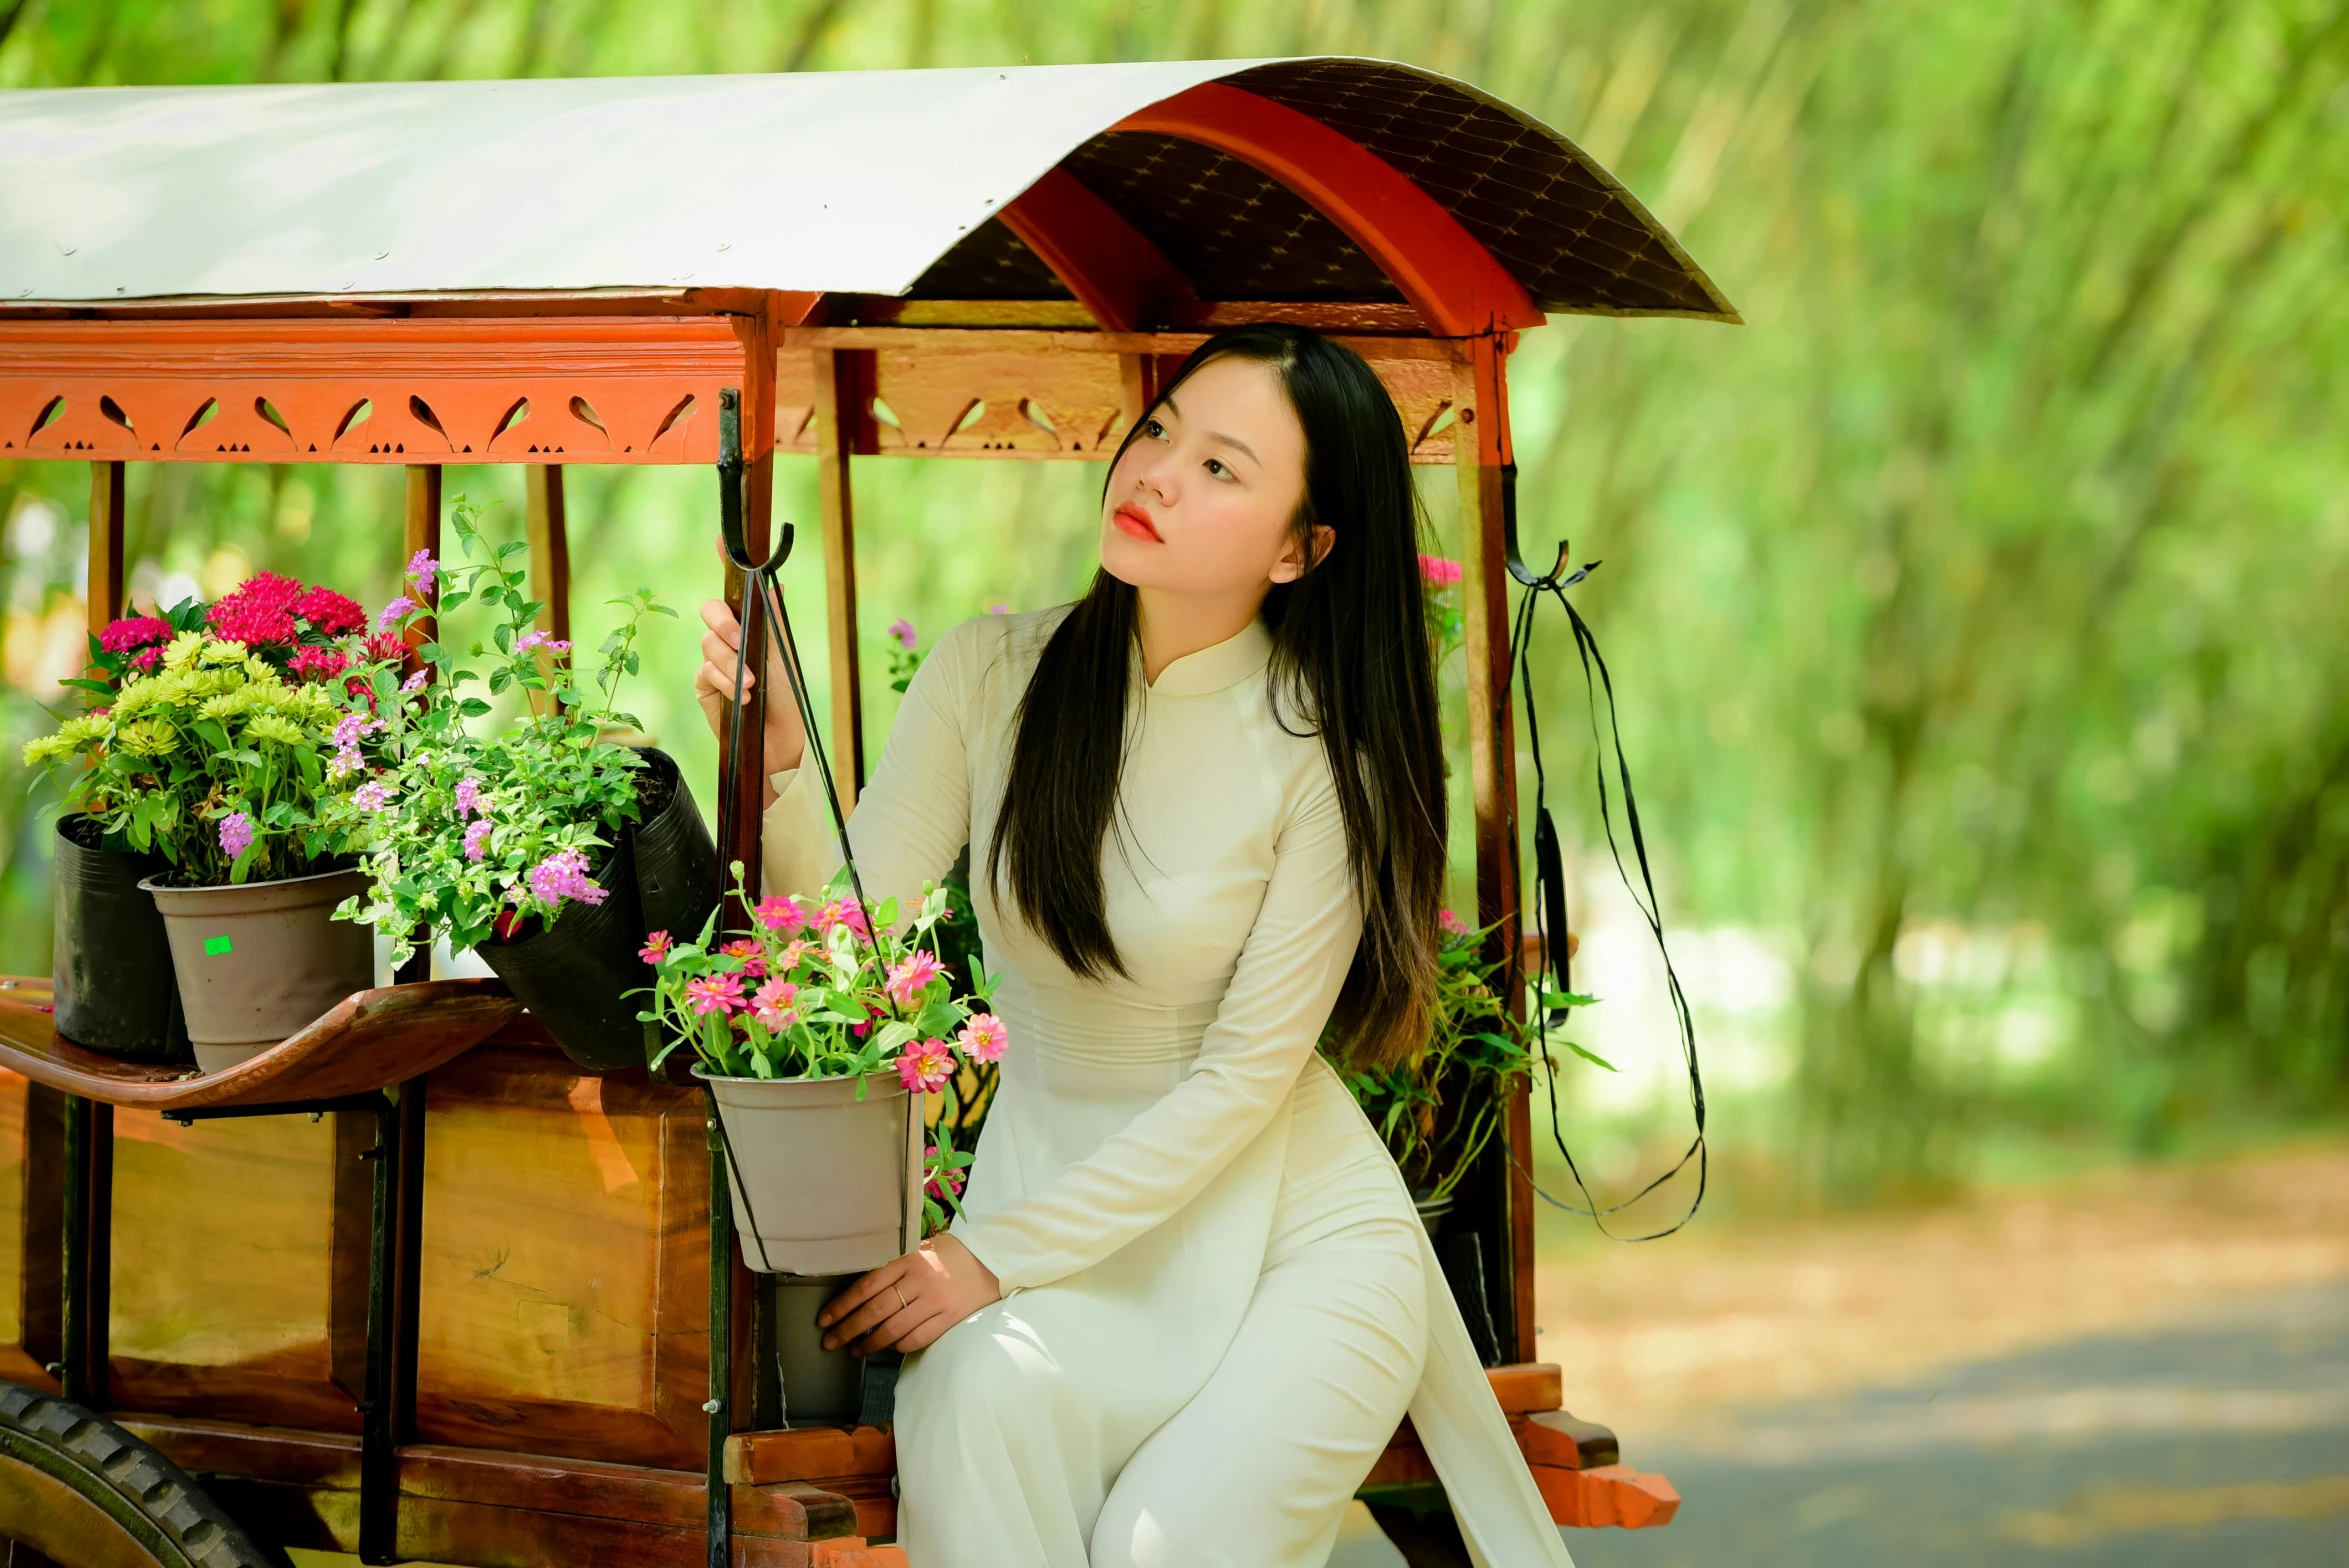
550,559
420,530
840,407
550,548
106,497
1481,452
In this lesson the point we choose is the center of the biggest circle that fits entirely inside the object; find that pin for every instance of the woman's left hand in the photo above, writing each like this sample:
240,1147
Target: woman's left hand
907,1304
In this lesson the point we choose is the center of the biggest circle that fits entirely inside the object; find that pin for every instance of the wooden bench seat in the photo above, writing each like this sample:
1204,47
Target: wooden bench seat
1576,1463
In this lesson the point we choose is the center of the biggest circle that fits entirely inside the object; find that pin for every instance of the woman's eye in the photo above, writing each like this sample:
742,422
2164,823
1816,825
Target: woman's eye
1153,429
1215,466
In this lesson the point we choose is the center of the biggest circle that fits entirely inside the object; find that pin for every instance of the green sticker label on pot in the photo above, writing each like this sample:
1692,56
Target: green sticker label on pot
217,946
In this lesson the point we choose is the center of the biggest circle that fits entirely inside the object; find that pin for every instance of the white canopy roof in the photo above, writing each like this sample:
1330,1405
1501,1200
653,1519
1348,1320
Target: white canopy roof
852,182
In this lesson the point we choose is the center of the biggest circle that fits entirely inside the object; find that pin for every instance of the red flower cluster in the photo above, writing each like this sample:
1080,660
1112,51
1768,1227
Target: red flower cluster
138,631
260,612
268,611
317,664
329,613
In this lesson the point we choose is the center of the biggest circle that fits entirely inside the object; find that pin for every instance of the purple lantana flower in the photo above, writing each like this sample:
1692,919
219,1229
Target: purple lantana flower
236,834
477,839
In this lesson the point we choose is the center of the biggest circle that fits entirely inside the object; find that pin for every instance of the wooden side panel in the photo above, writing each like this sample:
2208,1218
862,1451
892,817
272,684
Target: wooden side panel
565,1273
584,390
1052,394
32,1242
225,1284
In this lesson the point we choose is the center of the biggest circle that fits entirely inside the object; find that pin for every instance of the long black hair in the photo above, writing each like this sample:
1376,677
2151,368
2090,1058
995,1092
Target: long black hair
1351,662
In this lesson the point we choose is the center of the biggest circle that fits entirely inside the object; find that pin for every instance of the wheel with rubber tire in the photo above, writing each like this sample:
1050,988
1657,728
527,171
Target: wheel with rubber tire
80,1492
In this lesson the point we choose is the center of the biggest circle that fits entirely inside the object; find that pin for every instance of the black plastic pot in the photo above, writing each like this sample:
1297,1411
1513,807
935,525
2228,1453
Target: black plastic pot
676,860
116,991
574,974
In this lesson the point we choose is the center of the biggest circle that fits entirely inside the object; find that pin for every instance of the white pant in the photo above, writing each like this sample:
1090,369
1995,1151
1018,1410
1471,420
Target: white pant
1005,1464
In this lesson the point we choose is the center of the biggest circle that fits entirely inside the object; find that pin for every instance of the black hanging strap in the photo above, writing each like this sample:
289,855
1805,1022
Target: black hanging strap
762,605
1549,900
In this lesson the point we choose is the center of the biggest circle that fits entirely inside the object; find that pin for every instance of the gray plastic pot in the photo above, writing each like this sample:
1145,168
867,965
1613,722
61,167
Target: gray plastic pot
824,1183
112,965
263,961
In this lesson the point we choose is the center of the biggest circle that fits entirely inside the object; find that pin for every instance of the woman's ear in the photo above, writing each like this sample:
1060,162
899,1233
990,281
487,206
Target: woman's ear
1292,563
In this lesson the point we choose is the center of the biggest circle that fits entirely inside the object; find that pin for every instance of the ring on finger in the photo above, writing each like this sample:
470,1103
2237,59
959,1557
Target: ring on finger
902,1303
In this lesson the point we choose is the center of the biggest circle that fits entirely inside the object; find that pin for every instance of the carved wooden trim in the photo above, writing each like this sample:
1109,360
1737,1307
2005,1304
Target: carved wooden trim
1051,394
576,390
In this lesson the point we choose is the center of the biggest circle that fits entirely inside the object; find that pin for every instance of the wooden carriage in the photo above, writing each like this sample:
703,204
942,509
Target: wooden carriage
412,1284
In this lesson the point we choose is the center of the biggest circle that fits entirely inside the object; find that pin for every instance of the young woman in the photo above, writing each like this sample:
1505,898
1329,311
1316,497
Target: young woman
1205,811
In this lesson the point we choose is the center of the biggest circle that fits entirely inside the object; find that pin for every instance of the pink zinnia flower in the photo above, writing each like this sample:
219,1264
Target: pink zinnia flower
422,569
775,1002
135,632
843,912
393,611
753,956
778,913
707,994
330,613
656,947
926,1066
1436,572
983,1038
791,957
236,834
903,630
477,839
907,981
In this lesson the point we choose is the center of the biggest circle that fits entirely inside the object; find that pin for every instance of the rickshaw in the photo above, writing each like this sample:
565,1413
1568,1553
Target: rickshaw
411,1284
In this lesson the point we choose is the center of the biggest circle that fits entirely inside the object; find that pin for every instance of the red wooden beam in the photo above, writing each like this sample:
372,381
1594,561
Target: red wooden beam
1440,267
1115,272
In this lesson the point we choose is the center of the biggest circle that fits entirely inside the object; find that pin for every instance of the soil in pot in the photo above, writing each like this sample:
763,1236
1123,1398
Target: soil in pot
262,961
676,860
116,993
574,975
824,1182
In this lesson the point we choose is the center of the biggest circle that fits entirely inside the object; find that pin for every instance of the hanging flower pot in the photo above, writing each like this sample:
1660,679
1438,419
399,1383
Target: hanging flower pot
575,974
826,1172
676,860
115,989
260,961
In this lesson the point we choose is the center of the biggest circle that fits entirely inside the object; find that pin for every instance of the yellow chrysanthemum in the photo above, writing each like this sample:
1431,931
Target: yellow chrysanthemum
220,653
90,726
46,749
272,727
147,738
183,650
228,705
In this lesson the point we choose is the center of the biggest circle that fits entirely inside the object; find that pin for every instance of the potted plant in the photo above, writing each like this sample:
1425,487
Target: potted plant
1476,1056
213,758
819,1032
544,847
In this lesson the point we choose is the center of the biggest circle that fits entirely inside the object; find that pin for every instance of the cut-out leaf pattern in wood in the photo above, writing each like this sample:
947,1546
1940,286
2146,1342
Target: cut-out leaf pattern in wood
611,390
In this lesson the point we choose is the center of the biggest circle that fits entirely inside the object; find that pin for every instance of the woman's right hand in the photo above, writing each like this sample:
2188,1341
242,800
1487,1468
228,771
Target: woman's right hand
721,651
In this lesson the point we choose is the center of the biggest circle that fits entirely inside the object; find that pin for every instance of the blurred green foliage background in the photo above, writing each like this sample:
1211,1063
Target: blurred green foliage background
1978,609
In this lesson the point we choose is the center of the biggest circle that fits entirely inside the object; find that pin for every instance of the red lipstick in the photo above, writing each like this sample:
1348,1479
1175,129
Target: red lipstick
1133,521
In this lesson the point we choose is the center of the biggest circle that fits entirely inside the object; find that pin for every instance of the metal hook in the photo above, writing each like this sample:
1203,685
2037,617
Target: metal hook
730,468
1556,577
1517,567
